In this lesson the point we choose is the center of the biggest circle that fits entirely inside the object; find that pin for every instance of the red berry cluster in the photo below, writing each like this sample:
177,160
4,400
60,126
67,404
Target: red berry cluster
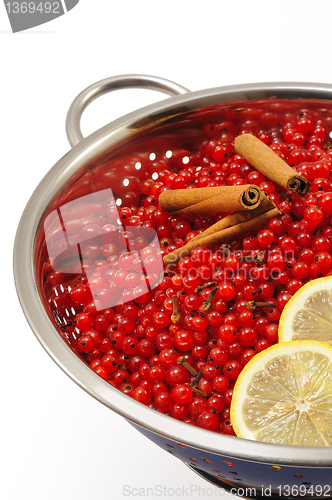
177,342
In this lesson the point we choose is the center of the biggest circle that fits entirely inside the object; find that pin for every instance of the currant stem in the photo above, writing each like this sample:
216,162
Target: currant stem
258,258
197,378
226,250
207,304
252,305
197,391
206,285
287,196
176,316
182,361
327,143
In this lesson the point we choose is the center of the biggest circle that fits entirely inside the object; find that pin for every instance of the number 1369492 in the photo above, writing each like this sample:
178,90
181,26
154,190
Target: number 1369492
33,7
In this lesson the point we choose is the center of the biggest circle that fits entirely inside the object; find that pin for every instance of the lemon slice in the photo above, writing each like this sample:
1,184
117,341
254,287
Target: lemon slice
284,395
308,314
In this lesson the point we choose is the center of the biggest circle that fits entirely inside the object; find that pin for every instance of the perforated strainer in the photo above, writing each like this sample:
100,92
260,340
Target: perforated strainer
100,172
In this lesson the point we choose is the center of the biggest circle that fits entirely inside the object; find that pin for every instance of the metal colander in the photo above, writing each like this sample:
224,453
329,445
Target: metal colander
97,164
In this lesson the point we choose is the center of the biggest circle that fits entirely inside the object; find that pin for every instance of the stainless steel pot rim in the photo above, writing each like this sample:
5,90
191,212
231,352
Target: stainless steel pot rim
54,180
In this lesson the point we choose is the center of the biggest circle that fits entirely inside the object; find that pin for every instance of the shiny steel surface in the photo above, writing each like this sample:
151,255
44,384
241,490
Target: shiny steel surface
154,424
97,89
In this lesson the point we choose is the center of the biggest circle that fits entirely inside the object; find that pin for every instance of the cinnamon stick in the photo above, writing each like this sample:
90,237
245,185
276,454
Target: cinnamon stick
210,199
237,217
228,221
213,238
264,159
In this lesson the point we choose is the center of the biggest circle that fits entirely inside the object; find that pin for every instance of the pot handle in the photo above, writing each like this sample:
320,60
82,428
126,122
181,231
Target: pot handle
73,121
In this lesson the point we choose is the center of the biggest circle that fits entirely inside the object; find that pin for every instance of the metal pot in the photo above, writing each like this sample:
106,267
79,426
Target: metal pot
242,467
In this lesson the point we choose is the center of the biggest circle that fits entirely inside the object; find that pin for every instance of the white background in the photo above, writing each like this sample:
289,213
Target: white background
56,441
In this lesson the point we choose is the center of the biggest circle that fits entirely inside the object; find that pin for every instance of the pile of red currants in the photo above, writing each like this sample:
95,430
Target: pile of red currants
176,340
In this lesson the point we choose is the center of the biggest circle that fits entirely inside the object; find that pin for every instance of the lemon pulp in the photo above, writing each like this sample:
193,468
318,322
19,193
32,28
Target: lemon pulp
314,321
308,314
284,395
